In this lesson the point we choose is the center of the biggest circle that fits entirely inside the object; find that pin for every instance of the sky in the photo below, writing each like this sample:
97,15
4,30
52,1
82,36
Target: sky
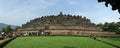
18,12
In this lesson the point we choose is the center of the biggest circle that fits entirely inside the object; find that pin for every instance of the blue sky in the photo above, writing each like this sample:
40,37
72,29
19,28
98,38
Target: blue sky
18,12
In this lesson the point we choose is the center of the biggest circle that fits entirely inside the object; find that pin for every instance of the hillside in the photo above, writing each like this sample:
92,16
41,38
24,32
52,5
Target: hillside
2,25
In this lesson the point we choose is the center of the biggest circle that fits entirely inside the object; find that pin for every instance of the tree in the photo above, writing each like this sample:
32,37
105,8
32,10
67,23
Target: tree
16,28
118,26
7,29
110,27
114,3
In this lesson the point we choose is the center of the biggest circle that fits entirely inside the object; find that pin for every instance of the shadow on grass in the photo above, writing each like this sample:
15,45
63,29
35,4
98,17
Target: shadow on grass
114,39
69,47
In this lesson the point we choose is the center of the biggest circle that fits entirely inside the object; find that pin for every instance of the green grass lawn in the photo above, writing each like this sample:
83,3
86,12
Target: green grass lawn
115,41
56,42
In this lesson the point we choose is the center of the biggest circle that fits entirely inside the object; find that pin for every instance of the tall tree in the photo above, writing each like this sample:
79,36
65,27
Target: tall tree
111,27
7,29
114,3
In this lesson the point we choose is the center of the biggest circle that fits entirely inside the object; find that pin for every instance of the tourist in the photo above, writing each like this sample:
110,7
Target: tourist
18,34
68,33
49,33
98,38
26,34
37,33
22,34
94,37
4,36
10,34
42,33
13,34
78,34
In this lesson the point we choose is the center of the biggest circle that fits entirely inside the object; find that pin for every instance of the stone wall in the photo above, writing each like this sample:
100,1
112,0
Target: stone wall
74,32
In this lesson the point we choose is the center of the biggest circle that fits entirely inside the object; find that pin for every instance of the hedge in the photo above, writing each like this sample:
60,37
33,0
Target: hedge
6,42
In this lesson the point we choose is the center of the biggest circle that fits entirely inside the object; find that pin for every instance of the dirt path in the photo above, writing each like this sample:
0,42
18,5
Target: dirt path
4,40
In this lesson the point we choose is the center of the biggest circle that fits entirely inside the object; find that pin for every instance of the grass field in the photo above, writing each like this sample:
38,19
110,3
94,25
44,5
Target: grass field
115,41
56,42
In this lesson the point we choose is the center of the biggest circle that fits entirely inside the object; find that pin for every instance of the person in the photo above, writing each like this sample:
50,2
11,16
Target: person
94,37
98,38
4,36
48,33
78,34
42,33
37,34
13,34
22,34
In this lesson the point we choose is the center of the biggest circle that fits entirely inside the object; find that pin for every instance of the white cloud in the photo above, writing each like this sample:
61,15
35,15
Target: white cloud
18,12
108,19
73,2
21,12
100,16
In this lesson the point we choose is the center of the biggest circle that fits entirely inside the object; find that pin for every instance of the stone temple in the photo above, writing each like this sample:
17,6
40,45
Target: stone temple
62,24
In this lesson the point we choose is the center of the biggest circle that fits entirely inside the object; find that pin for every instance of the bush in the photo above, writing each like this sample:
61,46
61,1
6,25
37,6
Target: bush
6,42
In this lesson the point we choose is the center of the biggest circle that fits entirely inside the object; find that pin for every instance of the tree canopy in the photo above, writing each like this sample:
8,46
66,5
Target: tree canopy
111,27
114,3
8,29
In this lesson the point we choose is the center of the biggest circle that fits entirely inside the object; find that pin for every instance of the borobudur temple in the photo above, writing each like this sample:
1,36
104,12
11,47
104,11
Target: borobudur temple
62,23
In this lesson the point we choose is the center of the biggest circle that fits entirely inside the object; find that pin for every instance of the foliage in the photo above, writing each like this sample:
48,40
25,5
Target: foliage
114,3
6,42
17,27
111,27
7,29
